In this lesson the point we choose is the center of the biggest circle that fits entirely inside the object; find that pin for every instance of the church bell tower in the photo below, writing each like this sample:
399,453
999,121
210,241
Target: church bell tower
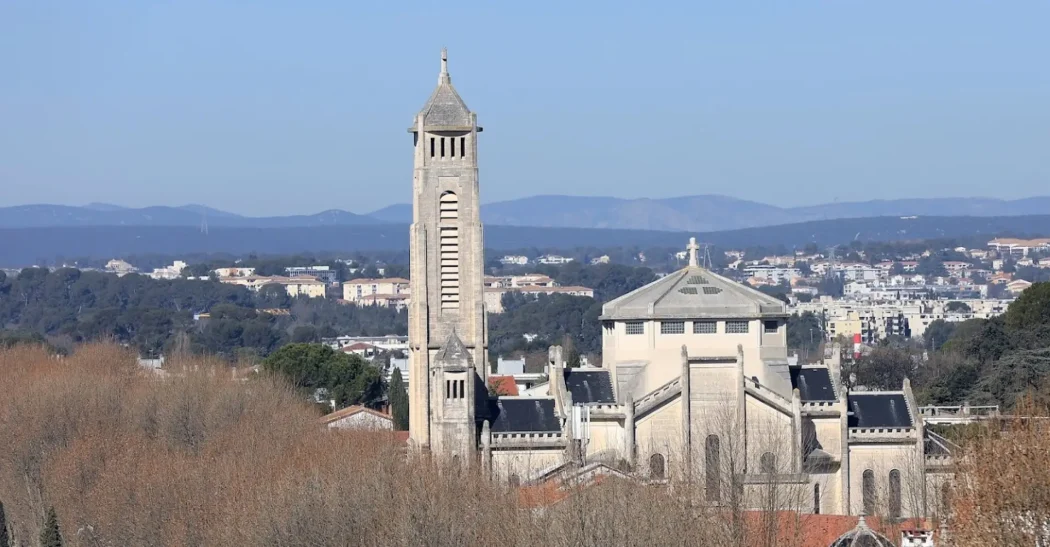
446,318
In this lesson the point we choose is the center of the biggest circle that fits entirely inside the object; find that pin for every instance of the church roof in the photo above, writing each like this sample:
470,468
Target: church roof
813,384
523,415
445,108
453,351
875,410
589,386
862,536
693,293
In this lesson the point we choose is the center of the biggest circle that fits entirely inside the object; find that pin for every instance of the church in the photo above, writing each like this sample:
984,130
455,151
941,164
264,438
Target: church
695,385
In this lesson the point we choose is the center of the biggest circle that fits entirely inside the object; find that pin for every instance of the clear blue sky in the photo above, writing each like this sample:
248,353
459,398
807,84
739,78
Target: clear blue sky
266,107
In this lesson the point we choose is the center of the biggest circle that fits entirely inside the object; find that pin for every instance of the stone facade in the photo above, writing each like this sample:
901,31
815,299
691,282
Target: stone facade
695,383
447,262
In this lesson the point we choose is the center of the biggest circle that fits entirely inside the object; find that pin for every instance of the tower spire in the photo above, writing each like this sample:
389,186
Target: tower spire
444,66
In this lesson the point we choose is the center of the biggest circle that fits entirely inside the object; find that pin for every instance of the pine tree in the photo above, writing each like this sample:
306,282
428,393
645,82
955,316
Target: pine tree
398,401
5,539
51,536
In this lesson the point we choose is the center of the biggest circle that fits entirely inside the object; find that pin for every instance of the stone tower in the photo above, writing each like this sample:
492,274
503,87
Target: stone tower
446,319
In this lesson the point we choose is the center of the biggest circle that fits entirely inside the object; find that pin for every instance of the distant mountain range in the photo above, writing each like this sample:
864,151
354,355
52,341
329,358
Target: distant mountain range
23,246
704,213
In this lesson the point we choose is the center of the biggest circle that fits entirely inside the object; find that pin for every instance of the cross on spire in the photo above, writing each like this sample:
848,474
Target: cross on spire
693,248
444,60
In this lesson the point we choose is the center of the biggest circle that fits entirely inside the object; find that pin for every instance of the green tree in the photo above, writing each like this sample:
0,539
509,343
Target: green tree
957,306
805,332
398,401
5,538
51,536
348,379
937,333
884,368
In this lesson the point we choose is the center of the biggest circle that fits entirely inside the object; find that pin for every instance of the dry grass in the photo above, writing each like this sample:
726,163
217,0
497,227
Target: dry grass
199,458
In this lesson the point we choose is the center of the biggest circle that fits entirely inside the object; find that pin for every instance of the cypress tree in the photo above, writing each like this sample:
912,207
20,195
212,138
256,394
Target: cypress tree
5,538
398,401
51,536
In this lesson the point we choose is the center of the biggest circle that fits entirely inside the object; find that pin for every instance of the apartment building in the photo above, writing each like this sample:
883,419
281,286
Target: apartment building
361,288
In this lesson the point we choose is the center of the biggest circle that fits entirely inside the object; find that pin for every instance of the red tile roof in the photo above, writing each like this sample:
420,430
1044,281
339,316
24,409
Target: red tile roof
503,385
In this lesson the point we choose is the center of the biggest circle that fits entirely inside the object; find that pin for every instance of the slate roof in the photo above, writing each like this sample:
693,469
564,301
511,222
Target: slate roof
870,410
589,386
693,292
813,384
523,415
445,107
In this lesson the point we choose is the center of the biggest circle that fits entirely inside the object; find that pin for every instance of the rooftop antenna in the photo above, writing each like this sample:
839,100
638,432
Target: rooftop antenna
204,222
707,256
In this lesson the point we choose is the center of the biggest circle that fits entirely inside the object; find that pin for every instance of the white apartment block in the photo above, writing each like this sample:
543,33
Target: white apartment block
774,275
365,290
514,260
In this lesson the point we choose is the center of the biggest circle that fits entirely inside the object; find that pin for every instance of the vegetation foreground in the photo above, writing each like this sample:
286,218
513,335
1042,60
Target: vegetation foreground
199,457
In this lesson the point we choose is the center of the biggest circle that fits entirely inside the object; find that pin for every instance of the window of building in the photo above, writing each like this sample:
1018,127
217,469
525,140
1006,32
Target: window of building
770,327
768,463
868,491
705,327
462,147
635,327
432,147
672,327
448,250
452,143
816,499
712,468
736,327
514,480
656,467
442,147
895,494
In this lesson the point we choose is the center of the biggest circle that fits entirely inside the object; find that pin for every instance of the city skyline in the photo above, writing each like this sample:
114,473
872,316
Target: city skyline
274,110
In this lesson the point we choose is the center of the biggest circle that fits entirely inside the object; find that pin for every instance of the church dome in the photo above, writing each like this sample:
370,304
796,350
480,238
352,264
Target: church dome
862,536
693,293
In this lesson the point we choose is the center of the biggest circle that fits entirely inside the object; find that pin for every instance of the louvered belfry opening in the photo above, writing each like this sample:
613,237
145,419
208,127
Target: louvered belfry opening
448,228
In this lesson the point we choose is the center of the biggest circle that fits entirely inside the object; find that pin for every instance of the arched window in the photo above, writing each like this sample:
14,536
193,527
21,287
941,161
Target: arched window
448,248
868,491
514,480
656,467
816,499
768,463
713,468
895,494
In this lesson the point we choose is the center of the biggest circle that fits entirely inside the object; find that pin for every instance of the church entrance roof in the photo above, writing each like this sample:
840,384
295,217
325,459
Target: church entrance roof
693,293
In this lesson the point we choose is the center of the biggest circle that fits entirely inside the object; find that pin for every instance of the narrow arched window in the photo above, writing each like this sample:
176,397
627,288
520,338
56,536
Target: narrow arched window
868,491
768,463
816,499
432,147
712,468
462,147
656,467
452,143
895,494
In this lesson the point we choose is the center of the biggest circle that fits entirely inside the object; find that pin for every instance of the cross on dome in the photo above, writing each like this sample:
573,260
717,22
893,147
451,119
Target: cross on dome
693,248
